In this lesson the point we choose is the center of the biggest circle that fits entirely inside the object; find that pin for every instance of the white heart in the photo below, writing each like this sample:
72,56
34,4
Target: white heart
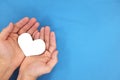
30,47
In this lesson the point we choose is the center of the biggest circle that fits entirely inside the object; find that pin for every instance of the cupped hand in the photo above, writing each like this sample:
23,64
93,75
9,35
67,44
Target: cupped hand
11,55
35,66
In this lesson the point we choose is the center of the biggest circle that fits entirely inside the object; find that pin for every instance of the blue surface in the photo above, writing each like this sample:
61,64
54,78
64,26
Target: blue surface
88,35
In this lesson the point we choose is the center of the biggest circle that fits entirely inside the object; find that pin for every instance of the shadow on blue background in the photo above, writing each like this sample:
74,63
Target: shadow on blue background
88,35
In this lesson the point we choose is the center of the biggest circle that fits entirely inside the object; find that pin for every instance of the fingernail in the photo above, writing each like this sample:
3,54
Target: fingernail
10,23
42,28
26,18
52,33
34,19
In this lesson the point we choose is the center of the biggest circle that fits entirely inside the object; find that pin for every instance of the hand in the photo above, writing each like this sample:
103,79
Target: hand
35,66
11,55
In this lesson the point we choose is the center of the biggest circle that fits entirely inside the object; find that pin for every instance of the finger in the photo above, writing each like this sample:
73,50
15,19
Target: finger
47,36
46,56
37,35
53,61
27,26
52,42
7,31
34,33
33,28
20,24
42,33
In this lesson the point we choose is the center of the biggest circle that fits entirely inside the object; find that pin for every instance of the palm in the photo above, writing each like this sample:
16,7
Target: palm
35,65
39,65
12,51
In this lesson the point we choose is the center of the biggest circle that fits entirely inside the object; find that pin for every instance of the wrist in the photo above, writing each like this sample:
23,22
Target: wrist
25,77
5,70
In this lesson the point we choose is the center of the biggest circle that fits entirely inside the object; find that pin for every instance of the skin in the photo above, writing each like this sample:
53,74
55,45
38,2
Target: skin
35,66
11,56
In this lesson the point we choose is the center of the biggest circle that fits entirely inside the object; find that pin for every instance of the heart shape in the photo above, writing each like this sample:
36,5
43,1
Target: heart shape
30,47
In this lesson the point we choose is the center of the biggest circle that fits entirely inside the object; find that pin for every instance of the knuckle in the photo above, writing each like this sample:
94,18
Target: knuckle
27,25
17,26
22,30
48,70
30,32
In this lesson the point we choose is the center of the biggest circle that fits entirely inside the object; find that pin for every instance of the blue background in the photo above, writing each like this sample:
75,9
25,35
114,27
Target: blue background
88,35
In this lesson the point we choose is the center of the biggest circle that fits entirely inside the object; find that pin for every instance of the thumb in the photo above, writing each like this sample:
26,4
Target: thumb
54,60
6,31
